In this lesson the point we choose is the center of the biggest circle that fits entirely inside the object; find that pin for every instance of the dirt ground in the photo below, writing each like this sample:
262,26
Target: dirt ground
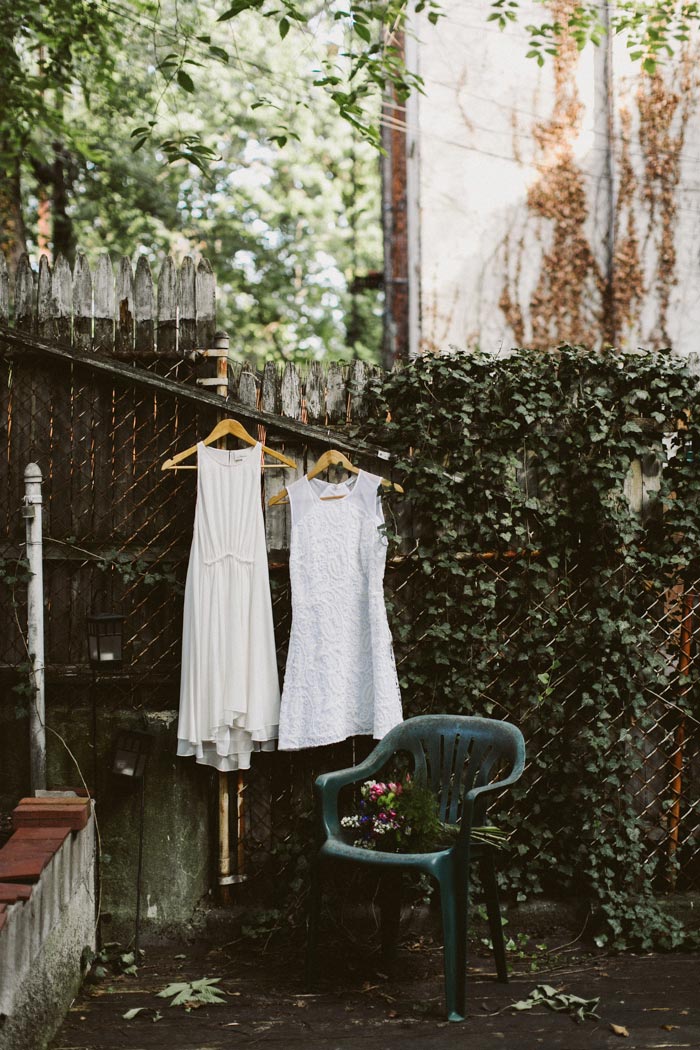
655,999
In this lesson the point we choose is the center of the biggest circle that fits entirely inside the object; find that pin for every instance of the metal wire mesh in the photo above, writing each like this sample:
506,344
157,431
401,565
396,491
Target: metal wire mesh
118,532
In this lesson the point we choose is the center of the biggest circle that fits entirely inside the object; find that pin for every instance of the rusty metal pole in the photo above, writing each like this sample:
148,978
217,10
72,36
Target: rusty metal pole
221,344
684,661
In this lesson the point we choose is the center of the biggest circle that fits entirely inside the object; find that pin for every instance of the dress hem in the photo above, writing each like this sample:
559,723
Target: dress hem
334,739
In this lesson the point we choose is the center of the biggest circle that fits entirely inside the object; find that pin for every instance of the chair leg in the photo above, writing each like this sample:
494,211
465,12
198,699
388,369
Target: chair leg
454,902
390,913
312,924
487,871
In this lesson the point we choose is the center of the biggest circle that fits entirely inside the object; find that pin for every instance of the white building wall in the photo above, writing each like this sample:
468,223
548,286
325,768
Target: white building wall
534,185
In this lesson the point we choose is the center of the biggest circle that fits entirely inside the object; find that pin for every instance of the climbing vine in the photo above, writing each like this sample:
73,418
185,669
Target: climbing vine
533,591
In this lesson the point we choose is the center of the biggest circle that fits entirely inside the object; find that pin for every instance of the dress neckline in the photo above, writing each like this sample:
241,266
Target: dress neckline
330,485
241,454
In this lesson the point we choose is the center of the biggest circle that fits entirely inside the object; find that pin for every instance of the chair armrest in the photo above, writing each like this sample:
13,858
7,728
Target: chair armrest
328,785
472,796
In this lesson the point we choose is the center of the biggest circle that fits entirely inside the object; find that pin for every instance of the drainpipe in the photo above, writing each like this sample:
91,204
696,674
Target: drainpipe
31,511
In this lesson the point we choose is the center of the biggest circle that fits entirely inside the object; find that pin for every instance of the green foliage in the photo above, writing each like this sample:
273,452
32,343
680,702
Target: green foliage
288,230
60,46
194,993
110,960
14,578
13,572
261,923
532,593
130,569
652,31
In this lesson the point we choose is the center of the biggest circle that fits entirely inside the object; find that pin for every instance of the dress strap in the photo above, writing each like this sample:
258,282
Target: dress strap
368,495
300,499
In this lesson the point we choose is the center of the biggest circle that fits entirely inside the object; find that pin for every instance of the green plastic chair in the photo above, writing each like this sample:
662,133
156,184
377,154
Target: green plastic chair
457,757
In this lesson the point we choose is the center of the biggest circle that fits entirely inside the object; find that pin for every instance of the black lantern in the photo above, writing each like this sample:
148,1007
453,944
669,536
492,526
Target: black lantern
131,751
104,640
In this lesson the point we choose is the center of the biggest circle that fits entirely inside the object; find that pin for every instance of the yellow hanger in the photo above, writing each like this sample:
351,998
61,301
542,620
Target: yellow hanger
331,458
226,427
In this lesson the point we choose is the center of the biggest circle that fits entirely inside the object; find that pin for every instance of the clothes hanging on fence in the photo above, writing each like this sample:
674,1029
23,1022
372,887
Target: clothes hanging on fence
341,677
229,691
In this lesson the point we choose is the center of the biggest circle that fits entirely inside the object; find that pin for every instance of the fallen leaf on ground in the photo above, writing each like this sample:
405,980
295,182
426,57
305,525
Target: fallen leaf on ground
131,1014
669,1027
619,1029
544,995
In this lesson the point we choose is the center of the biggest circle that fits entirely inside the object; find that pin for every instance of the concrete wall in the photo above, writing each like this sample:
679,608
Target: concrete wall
179,801
554,204
43,942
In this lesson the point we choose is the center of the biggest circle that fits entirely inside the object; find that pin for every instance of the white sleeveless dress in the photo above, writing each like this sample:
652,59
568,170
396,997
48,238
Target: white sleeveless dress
340,679
229,689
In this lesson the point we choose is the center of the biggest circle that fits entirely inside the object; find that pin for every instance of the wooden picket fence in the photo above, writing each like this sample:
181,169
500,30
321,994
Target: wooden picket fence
115,524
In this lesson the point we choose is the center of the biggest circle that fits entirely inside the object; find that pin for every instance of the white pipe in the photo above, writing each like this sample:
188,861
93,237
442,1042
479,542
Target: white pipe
35,625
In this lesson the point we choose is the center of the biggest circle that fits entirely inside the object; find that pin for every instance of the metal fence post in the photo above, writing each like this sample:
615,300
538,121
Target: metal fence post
31,511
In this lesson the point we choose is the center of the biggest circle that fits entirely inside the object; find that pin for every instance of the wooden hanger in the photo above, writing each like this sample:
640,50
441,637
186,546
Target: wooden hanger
225,428
331,458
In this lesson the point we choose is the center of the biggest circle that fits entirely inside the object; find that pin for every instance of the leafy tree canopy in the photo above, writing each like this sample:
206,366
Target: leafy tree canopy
188,133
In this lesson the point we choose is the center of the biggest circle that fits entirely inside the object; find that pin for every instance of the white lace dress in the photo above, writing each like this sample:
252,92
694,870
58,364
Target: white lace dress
229,690
340,679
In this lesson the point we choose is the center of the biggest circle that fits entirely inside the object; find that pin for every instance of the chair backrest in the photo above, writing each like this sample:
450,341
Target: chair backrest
454,753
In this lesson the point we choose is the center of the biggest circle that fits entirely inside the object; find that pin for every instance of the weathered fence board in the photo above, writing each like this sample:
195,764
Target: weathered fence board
103,306
124,339
336,397
24,296
205,285
167,303
187,312
4,291
143,308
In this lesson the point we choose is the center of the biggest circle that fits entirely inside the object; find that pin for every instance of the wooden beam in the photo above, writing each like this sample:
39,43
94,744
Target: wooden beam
123,372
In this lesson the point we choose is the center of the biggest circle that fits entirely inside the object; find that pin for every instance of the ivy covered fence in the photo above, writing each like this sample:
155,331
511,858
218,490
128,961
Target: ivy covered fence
553,581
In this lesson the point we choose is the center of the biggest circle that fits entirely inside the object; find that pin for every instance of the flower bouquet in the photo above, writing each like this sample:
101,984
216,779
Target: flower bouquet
400,816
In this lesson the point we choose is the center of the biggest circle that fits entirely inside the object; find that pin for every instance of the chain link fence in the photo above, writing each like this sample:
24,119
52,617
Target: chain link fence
117,536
